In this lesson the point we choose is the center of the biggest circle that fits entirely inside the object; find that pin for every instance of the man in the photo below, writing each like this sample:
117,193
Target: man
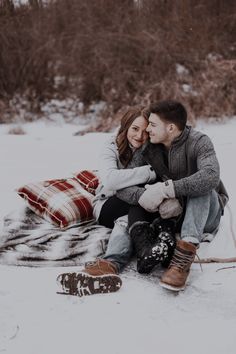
188,170
193,165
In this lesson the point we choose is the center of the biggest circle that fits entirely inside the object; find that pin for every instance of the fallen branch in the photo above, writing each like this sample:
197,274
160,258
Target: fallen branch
215,260
15,334
225,268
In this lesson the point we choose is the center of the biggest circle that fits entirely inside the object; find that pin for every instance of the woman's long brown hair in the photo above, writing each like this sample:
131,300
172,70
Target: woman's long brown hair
125,152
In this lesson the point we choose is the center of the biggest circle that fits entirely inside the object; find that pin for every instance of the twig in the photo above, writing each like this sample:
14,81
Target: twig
216,260
15,334
225,268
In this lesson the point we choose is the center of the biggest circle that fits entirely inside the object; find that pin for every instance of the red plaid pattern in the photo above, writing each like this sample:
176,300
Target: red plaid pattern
88,180
60,201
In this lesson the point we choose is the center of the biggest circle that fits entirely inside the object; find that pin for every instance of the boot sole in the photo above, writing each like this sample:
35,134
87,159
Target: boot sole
83,284
171,287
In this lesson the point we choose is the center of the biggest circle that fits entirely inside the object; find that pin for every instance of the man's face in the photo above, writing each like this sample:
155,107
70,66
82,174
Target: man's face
158,130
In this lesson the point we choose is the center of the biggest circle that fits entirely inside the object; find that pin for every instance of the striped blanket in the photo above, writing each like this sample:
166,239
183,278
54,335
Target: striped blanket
28,240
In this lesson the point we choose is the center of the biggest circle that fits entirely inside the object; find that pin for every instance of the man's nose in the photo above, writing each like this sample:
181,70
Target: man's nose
148,128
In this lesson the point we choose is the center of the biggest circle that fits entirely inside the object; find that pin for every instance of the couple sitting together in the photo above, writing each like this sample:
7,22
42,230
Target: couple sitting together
158,178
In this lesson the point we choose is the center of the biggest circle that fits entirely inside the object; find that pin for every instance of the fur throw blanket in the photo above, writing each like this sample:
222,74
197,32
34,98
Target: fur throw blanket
28,240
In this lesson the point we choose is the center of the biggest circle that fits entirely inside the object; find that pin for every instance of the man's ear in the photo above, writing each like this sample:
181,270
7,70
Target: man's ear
171,127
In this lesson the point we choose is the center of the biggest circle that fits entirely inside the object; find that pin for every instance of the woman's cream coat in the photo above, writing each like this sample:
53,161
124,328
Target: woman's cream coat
113,176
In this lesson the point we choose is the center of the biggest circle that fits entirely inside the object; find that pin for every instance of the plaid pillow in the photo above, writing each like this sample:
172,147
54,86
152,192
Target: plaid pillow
60,201
88,179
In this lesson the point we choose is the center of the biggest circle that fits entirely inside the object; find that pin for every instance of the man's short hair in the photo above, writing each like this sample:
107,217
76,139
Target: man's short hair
170,112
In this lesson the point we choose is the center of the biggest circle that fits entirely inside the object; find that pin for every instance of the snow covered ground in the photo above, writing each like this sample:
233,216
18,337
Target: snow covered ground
140,318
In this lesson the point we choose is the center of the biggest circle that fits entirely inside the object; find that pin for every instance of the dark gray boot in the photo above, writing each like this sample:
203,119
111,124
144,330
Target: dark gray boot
147,248
164,230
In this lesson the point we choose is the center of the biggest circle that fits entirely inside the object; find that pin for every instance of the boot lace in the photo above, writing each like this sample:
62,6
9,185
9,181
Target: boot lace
182,260
91,263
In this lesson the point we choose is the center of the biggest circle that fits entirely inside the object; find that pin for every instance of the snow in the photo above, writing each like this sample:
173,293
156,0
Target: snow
181,70
141,317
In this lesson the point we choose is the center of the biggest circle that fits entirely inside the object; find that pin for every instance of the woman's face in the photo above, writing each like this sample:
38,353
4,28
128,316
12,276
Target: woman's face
136,133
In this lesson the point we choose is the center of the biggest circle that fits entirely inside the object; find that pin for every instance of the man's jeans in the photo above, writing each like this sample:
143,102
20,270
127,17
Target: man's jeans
119,249
202,218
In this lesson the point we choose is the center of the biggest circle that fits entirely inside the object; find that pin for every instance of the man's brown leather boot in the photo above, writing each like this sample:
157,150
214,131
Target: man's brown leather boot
98,277
176,275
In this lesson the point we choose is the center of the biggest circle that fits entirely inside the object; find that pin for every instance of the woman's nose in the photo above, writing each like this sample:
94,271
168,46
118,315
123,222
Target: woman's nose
139,134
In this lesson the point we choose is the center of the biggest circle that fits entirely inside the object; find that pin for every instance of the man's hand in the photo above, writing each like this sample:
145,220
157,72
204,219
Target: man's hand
170,208
155,194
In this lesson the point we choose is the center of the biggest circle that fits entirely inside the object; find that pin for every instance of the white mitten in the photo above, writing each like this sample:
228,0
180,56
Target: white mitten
155,194
170,208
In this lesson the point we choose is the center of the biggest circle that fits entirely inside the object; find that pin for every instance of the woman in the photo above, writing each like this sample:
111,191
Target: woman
122,165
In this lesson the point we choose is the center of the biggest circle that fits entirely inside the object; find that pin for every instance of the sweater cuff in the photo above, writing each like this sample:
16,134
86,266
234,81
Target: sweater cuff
152,175
179,187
